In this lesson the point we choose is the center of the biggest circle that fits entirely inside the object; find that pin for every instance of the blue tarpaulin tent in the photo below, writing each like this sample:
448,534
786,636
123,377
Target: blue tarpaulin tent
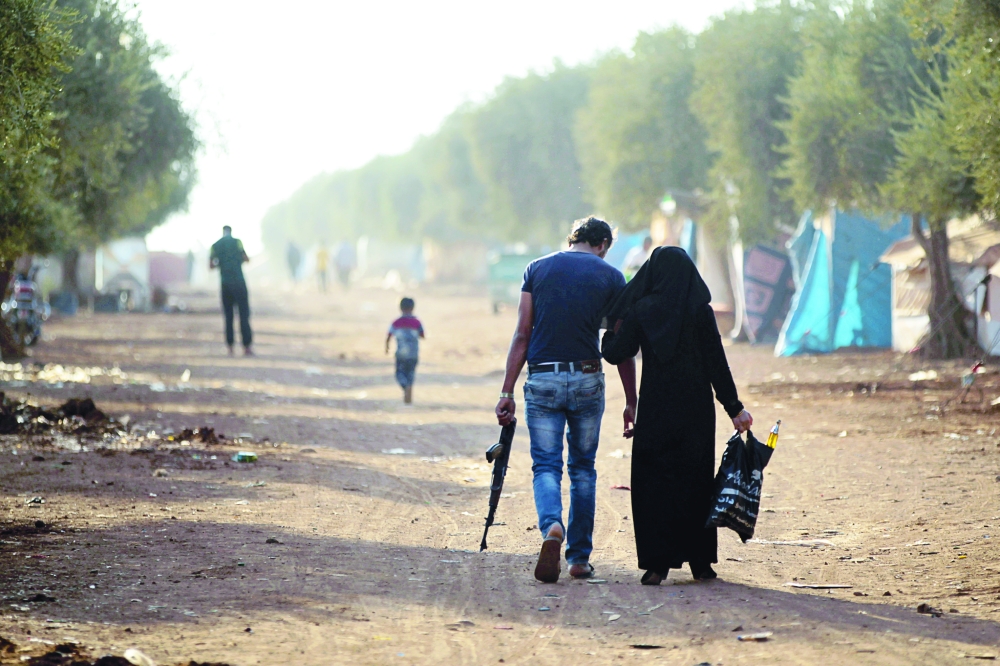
843,295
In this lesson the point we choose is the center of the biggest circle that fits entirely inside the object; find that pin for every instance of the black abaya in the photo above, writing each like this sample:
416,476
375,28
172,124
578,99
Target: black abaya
673,454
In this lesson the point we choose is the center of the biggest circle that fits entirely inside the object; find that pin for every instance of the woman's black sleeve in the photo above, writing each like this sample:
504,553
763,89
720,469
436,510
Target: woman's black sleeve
717,365
618,347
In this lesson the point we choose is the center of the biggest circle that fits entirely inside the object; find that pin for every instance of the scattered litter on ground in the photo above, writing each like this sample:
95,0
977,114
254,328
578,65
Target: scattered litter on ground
53,373
136,657
614,616
460,625
805,543
759,637
927,609
244,457
399,452
646,646
204,434
596,581
621,487
618,453
819,586
923,376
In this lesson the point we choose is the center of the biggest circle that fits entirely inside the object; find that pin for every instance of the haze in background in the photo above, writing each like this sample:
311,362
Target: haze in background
284,92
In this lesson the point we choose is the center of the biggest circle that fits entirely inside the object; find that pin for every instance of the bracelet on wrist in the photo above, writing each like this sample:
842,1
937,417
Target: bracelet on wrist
509,396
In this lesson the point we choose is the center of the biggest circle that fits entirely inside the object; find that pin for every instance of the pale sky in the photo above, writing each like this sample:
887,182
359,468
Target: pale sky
285,91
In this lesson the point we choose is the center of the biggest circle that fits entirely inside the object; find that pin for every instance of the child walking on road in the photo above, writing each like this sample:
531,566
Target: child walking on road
407,330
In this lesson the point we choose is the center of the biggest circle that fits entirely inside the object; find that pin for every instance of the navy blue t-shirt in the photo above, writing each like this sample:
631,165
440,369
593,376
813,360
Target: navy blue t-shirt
570,292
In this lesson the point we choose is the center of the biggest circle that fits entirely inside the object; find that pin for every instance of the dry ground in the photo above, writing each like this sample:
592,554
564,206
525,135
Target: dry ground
376,560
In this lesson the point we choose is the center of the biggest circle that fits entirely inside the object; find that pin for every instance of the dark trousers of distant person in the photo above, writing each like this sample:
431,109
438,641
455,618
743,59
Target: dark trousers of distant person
234,295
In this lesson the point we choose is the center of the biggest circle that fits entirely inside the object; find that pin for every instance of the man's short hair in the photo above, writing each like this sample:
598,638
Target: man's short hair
406,304
591,230
227,228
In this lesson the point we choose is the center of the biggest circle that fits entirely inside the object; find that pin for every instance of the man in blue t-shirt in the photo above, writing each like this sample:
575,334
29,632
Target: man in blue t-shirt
563,300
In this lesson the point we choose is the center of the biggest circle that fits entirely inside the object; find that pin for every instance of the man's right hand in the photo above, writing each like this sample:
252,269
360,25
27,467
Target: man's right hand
505,411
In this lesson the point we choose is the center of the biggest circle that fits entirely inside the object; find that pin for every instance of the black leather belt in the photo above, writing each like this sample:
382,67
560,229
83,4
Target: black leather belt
586,367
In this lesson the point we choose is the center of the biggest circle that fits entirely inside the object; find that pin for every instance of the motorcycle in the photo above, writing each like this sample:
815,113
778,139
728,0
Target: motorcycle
25,310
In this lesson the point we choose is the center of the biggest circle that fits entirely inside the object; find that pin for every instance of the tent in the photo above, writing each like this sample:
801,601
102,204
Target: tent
971,257
843,293
767,288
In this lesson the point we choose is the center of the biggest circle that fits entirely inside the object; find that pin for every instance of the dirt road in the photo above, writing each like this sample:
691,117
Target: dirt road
354,538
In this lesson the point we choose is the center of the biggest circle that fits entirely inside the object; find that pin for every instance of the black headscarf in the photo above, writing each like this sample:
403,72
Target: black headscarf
665,292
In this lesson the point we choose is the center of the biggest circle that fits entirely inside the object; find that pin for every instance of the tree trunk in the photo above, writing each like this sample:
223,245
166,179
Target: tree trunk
70,260
948,335
10,350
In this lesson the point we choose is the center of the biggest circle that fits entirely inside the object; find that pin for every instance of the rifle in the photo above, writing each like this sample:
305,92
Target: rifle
498,454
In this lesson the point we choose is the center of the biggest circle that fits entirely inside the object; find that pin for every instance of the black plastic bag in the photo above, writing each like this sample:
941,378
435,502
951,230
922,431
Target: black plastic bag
738,485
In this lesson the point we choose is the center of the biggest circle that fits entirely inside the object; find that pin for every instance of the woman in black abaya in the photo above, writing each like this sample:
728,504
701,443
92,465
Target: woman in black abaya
665,312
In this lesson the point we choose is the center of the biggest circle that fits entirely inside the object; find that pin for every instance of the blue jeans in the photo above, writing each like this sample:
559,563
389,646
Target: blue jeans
557,402
406,371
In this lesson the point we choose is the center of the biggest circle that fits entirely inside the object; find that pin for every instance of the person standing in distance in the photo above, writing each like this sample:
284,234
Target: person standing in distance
229,256
563,302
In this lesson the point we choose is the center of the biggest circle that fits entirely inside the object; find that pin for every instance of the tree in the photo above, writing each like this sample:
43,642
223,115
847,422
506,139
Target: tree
868,129
932,176
637,136
93,143
125,156
743,63
34,48
965,34
523,150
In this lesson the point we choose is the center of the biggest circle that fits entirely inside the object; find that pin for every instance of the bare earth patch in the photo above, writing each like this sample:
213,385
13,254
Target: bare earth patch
354,537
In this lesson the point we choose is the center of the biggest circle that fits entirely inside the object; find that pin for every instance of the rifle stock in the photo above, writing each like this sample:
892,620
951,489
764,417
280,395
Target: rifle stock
498,454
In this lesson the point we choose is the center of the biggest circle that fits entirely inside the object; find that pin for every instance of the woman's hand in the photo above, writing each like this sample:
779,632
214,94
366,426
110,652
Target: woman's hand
743,421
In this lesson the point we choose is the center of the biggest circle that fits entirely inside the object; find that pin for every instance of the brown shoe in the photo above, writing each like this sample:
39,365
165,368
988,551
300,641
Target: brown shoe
548,568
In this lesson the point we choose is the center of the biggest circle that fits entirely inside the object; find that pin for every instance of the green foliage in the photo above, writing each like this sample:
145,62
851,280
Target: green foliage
855,94
94,144
523,150
742,65
33,51
637,136
931,175
967,33
126,151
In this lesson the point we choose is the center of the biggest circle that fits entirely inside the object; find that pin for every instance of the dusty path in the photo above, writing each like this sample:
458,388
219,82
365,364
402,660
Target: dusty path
376,557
